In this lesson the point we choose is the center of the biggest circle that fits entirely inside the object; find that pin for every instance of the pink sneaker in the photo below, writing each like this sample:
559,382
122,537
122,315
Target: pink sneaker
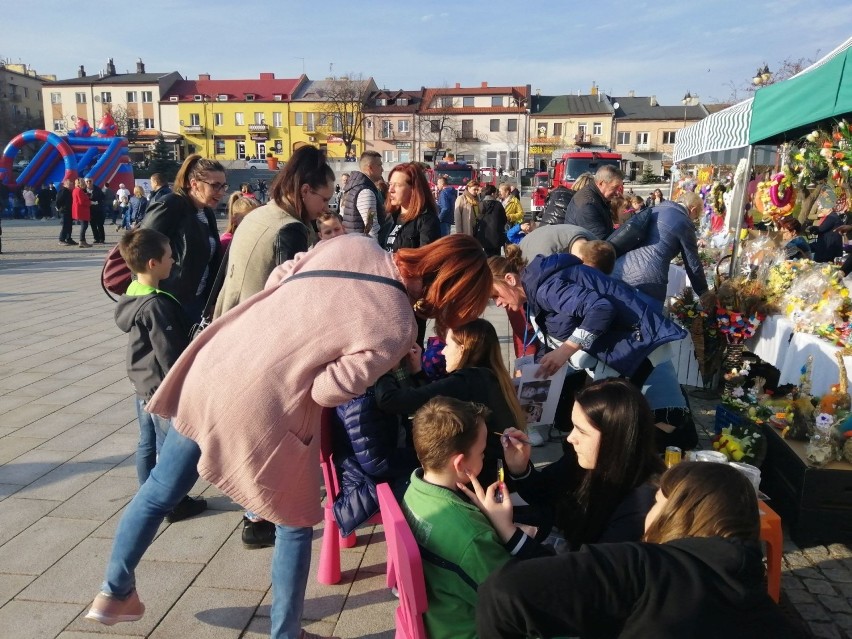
108,609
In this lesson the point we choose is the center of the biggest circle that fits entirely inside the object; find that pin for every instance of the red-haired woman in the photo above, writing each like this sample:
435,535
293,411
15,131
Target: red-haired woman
411,209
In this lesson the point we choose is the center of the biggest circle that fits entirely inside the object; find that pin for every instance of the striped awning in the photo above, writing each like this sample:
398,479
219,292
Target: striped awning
720,138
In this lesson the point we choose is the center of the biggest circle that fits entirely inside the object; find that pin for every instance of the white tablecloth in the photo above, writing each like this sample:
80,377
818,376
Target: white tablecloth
777,344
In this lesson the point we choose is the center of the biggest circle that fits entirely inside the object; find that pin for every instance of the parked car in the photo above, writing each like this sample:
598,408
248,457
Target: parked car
257,164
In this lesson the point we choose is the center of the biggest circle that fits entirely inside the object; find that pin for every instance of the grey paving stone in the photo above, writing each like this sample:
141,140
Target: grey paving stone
800,596
790,582
209,613
50,426
29,466
841,551
844,621
835,604
77,634
64,482
100,500
812,612
74,578
13,446
797,560
8,489
19,514
94,404
819,587
42,544
79,437
816,553
839,574
807,573
10,402
844,589
194,540
824,630
114,449
236,567
11,585
33,620
369,610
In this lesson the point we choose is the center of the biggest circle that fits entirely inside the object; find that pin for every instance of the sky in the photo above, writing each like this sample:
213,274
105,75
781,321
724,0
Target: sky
658,48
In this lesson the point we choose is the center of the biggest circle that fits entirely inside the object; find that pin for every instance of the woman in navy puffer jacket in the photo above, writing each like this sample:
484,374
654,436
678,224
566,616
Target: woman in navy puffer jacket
671,232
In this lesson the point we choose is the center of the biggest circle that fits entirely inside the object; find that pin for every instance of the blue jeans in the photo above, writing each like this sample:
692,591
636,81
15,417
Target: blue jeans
445,229
152,433
171,479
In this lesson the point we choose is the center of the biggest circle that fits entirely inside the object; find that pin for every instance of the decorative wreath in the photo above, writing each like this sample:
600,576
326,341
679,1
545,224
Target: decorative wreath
776,197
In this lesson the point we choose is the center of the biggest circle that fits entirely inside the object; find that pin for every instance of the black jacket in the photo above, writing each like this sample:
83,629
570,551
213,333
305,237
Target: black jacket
491,225
174,217
159,194
700,588
556,206
467,384
63,200
589,209
422,230
158,334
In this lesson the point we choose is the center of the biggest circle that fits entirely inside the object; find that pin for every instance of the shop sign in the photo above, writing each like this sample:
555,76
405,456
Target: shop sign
403,145
260,138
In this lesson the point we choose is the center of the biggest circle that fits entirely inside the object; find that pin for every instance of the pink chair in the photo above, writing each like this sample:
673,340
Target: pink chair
405,568
332,541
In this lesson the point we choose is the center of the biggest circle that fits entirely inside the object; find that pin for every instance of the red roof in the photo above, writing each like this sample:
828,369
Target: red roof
264,88
520,94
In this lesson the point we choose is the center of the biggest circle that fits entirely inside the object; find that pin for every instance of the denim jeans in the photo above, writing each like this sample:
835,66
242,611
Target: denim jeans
445,229
152,433
171,479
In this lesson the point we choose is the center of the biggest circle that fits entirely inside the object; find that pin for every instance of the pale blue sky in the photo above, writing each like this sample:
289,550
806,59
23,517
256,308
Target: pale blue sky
660,48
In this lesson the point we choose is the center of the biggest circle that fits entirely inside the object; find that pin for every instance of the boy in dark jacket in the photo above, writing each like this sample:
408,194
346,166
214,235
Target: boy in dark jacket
158,334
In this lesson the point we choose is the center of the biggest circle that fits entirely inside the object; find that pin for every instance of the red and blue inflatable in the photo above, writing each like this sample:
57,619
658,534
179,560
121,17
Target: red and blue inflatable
104,159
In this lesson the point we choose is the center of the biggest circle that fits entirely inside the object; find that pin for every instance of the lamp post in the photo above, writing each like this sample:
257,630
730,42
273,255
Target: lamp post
687,100
762,77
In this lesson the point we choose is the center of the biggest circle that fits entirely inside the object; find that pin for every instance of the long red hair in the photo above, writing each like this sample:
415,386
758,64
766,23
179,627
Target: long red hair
422,198
455,275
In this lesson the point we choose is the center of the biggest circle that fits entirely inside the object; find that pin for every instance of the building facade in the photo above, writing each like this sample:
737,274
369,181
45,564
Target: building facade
21,104
133,100
233,119
486,126
390,124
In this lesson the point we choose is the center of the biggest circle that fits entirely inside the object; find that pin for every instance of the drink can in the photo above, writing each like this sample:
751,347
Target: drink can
673,456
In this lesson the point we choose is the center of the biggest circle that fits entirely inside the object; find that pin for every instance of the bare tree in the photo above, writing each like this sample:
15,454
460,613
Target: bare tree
785,69
438,125
343,111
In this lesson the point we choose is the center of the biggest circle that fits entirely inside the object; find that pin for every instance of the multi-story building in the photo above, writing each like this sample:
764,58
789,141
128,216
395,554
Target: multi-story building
234,119
327,112
482,125
560,123
21,106
389,124
645,131
131,98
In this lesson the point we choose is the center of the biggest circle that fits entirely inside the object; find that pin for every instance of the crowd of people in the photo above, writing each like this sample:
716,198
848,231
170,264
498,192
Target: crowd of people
606,541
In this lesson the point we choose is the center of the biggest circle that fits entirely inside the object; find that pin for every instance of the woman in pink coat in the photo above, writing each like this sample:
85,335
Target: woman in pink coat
80,209
273,368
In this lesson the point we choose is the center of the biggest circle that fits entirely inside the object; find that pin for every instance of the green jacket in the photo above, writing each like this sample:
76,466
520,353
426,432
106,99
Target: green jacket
459,548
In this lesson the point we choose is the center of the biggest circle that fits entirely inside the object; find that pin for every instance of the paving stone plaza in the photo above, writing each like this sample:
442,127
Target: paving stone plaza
68,434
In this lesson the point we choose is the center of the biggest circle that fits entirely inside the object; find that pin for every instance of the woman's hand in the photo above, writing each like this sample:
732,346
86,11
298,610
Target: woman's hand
556,359
516,450
498,513
415,359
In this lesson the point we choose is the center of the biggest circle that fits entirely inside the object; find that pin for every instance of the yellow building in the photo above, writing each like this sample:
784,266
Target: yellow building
235,119
326,113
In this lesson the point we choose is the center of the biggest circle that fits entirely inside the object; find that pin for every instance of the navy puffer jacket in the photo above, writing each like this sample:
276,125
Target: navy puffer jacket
566,295
670,233
556,206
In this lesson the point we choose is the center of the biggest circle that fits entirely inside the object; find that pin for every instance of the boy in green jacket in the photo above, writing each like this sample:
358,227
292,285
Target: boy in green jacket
458,545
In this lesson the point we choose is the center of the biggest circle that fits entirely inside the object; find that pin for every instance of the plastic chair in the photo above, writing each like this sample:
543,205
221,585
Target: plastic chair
772,536
332,541
405,568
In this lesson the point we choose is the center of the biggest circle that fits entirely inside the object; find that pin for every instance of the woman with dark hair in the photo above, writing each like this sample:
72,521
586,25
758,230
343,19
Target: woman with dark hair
256,437
699,572
477,373
187,218
796,246
490,227
412,215
603,491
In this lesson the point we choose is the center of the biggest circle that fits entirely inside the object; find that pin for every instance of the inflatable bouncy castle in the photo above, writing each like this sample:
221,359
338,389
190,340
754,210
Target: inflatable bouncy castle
104,158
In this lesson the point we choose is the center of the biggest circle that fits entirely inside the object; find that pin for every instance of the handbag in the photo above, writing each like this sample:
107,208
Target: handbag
115,274
210,306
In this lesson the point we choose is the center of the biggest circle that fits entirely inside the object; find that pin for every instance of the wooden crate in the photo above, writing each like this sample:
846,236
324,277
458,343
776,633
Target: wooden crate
814,503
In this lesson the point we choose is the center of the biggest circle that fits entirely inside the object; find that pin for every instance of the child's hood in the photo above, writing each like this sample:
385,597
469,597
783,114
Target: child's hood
133,300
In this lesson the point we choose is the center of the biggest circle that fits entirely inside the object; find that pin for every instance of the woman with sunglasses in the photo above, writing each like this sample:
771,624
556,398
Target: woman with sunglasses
187,218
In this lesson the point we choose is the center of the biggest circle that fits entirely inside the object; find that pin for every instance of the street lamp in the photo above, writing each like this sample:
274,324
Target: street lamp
763,76
687,100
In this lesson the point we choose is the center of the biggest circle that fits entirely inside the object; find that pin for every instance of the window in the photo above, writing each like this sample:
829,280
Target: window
194,119
106,97
597,128
238,118
56,98
131,96
495,124
642,138
259,119
147,96
381,102
80,96
388,157
350,119
219,120
402,102
387,128
241,149
276,118
491,159
299,119
513,161
467,102
312,122
336,122
404,156
148,123
26,92
59,125
27,111
132,123
323,119
403,126
581,129
668,137
446,101
219,148
467,129
622,137
557,129
512,124
496,100
434,126
541,129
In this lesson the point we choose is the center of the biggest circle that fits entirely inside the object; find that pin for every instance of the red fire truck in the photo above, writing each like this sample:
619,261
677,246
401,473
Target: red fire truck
458,174
567,169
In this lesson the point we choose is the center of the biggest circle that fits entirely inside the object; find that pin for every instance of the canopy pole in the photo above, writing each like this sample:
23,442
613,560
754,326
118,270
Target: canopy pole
739,207
671,182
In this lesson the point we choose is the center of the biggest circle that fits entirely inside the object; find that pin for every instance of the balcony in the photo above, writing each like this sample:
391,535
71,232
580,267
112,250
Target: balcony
193,128
258,128
395,135
644,148
14,97
469,136
547,141
582,139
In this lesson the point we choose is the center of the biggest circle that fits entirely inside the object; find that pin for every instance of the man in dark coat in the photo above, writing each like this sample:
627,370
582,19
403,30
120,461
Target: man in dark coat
589,207
46,195
159,188
63,208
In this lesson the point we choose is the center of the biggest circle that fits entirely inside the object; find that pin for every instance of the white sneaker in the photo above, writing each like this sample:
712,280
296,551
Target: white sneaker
535,437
